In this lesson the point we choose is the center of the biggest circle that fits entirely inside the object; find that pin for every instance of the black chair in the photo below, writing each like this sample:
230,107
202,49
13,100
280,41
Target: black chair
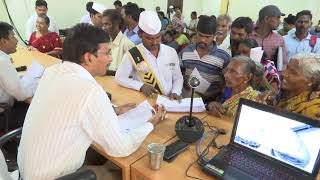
83,174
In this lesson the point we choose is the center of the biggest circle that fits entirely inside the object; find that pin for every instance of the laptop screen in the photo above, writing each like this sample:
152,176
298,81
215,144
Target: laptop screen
278,137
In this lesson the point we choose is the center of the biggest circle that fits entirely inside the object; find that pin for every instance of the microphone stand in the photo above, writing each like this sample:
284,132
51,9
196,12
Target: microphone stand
188,128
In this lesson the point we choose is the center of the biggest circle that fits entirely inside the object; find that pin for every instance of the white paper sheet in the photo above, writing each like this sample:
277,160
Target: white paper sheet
183,106
204,84
31,78
136,117
256,54
280,59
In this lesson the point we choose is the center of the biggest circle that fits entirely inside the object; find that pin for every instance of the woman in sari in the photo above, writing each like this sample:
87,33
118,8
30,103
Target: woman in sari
301,86
43,40
239,77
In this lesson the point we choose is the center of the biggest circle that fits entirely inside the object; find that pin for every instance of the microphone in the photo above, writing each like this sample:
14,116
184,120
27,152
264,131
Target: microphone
188,128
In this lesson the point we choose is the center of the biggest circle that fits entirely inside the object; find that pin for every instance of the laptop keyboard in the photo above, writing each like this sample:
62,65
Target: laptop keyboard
252,166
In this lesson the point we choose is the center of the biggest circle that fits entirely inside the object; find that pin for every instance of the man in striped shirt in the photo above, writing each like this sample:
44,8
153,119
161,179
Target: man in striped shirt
70,110
206,58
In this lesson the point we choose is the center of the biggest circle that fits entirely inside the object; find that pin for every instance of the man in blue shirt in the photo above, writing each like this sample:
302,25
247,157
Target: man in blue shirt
130,13
301,41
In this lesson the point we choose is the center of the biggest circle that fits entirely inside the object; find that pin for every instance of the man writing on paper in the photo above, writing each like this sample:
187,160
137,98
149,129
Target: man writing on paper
11,86
205,60
70,110
151,67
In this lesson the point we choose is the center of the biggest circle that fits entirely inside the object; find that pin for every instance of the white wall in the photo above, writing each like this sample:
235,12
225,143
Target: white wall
68,12
251,7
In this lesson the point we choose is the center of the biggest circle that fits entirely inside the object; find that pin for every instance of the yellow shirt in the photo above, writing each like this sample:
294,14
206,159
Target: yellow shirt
303,104
120,45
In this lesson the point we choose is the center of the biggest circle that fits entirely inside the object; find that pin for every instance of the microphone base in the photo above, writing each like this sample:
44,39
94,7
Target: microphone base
189,132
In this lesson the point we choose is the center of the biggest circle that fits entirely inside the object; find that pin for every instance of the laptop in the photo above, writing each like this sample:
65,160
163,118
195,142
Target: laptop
268,144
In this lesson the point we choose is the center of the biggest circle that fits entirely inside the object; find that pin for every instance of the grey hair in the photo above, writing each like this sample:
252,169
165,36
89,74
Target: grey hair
310,66
225,17
250,67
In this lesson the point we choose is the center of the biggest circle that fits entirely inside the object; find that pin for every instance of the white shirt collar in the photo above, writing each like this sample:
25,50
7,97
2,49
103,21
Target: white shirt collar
3,54
79,70
295,37
149,53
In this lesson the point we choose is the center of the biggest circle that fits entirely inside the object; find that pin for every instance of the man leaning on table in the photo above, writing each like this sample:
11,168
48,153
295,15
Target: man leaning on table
11,86
151,67
70,110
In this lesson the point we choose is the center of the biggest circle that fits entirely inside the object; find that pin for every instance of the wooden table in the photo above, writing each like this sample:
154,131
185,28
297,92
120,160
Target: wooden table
24,57
177,168
162,133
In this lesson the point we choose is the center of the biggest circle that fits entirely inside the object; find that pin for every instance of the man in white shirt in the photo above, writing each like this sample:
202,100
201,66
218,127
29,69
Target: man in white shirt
300,40
96,14
70,110
41,9
223,32
86,18
160,62
11,87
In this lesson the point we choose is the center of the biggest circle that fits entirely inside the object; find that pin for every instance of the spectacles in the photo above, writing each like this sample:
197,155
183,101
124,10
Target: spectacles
232,72
108,53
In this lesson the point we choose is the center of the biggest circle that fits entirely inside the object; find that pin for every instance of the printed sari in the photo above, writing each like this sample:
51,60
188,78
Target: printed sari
46,43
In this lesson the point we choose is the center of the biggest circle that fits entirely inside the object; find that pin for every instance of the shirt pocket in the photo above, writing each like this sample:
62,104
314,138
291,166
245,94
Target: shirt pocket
168,72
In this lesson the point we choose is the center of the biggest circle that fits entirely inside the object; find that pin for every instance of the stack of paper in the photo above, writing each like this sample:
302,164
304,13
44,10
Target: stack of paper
136,117
31,78
183,106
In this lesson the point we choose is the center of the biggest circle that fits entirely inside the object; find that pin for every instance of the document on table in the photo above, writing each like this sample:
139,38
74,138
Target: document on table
136,117
31,78
204,84
183,106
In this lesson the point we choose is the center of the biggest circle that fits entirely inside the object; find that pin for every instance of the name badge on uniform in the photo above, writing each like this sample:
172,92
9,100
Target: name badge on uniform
171,66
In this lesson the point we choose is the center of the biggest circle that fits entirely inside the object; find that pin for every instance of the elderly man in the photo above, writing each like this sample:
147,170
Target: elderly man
301,41
302,97
70,110
223,28
41,8
269,20
151,67
112,24
206,58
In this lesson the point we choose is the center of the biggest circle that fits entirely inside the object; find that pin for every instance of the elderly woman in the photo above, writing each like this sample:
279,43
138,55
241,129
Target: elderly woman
239,76
43,40
301,84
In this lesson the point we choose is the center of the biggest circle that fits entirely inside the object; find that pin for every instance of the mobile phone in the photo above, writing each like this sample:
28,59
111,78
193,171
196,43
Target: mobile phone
174,149
21,68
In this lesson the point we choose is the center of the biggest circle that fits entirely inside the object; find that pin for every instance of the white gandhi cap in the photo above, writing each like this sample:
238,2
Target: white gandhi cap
98,7
149,22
